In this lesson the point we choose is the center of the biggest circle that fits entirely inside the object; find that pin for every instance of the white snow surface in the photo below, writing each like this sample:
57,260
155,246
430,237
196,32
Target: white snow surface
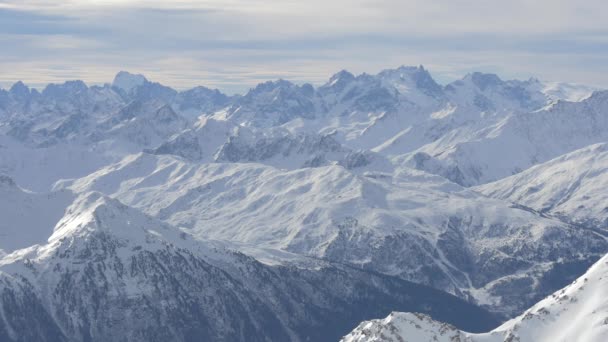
93,213
577,313
568,91
330,212
571,186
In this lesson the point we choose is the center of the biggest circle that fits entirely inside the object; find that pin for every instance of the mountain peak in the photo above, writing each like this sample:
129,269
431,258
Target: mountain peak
20,89
127,81
411,68
484,81
404,70
93,213
88,212
416,76
342,76
65,90
270,86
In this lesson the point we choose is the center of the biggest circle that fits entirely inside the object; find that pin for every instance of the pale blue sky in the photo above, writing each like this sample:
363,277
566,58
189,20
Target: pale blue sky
234,44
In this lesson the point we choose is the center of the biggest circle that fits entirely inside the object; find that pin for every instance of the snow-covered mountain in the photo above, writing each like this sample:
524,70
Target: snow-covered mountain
405,104
110,272
567,91
88,127
338,196
579,312
454,131
516,141
127,81
409,224
189,103
400,113
213,140
570,186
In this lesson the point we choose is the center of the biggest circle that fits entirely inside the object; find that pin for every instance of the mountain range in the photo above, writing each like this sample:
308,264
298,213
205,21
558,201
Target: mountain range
136,212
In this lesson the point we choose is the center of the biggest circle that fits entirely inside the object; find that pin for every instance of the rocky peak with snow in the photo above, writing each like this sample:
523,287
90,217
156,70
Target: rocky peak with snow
273,103
19,90
418,78
487,92
127,81
484,81
199,101
340,79
69,88
386,91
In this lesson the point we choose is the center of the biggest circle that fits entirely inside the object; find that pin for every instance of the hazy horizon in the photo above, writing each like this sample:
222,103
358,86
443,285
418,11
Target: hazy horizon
443,82
234,45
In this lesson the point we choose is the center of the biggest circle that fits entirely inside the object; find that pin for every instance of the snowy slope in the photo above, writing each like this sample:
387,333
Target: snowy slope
405,108
88,127
516,142
213,140
399,113
365,110
457,130
578,312
273,103
109,272
62,161
409,224
571,186
567,91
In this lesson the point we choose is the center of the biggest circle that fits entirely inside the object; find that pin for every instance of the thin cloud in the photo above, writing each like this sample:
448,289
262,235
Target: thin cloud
233,44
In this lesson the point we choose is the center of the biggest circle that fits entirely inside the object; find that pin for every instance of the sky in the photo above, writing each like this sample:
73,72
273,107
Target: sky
235,44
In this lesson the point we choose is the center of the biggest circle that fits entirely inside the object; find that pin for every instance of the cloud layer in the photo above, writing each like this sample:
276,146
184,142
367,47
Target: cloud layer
234,44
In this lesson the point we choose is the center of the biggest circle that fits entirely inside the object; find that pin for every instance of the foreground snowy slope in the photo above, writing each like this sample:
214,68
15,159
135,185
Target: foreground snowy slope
572,186
111,273
409,224
579,312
